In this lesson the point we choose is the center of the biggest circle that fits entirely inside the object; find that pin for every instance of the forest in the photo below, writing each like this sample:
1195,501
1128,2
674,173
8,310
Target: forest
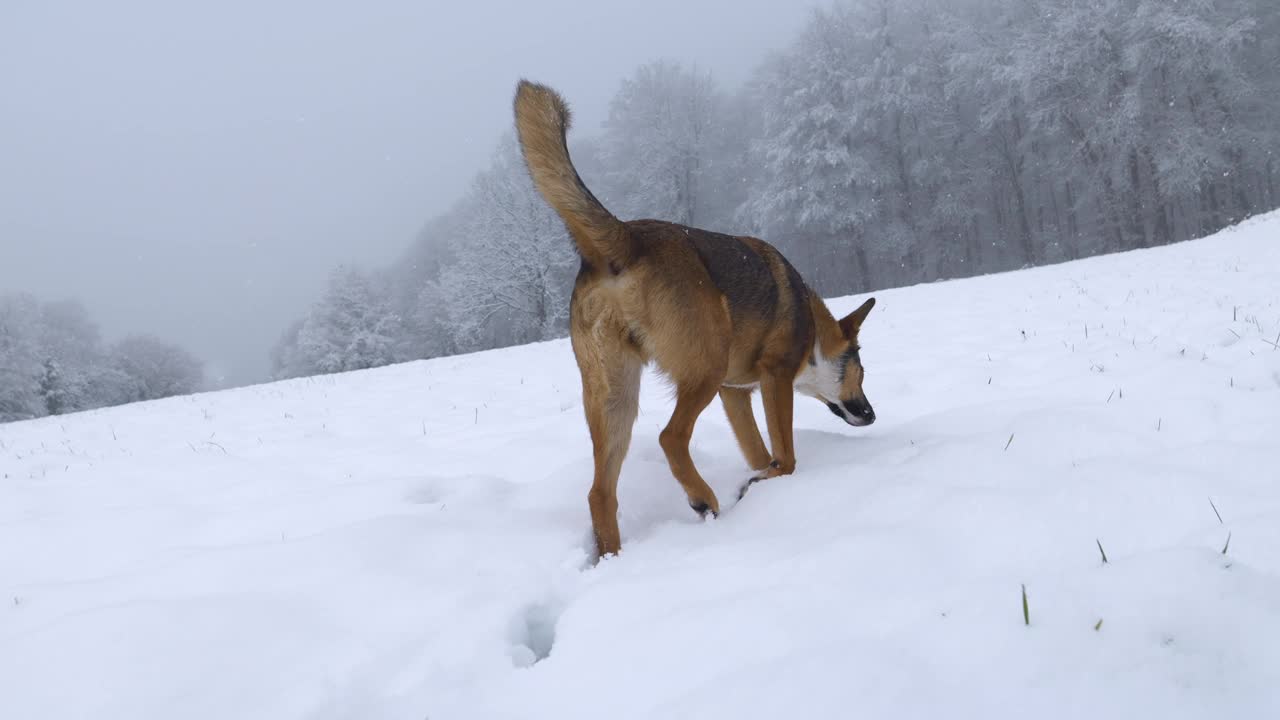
890,143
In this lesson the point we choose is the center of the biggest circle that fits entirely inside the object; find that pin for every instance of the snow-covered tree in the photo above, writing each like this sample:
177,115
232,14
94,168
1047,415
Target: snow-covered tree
811,168
413,288
156,369
660,144
431,334
71,357
352,327
855,137
286,361
20,366
514,265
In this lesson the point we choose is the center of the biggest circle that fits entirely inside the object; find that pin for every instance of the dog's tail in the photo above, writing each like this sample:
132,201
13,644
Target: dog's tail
542,120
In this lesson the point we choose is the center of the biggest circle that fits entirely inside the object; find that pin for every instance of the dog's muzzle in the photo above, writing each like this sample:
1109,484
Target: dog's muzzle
855,412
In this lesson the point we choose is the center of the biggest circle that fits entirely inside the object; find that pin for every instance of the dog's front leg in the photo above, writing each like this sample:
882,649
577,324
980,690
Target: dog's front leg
779,398
737,406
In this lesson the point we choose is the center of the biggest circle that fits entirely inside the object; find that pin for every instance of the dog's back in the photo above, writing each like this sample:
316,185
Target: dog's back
766,300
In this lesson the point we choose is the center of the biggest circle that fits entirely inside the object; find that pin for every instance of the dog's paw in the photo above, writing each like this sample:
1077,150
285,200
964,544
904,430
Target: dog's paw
703,508
773,470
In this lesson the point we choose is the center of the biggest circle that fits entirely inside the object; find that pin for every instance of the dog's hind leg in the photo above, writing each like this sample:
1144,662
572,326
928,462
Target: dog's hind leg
691,400
610,399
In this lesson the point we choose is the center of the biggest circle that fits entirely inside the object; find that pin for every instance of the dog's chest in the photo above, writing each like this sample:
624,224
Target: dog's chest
819,380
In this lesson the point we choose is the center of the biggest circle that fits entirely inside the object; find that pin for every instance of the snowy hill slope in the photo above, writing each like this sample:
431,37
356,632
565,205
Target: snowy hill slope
413,541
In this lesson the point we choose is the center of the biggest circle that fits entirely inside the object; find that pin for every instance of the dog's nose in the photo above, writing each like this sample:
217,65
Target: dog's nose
862,411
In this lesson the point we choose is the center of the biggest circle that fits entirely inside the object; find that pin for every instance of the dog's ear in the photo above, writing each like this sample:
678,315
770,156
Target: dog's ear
850,323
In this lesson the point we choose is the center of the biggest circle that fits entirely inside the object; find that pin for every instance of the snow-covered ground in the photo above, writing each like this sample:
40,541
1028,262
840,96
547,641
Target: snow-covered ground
413,542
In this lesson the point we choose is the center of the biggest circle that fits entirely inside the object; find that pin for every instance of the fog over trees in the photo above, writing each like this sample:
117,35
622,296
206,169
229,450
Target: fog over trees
891,143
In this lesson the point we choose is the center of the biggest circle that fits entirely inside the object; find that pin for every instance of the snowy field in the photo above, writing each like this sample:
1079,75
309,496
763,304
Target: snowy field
413,542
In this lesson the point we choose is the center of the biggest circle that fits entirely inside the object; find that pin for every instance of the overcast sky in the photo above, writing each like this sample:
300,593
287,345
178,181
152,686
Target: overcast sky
194,170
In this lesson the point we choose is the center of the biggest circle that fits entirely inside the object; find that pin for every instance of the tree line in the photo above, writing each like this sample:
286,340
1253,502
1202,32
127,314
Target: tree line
53,361
890,143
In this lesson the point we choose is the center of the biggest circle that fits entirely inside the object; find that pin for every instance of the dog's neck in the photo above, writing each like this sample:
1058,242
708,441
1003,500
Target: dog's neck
826,331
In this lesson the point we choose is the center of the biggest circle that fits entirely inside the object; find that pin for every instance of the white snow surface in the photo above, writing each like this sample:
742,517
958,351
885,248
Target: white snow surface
413,541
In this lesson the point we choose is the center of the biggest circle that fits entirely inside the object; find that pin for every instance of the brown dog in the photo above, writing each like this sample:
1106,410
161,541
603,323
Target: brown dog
718,315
